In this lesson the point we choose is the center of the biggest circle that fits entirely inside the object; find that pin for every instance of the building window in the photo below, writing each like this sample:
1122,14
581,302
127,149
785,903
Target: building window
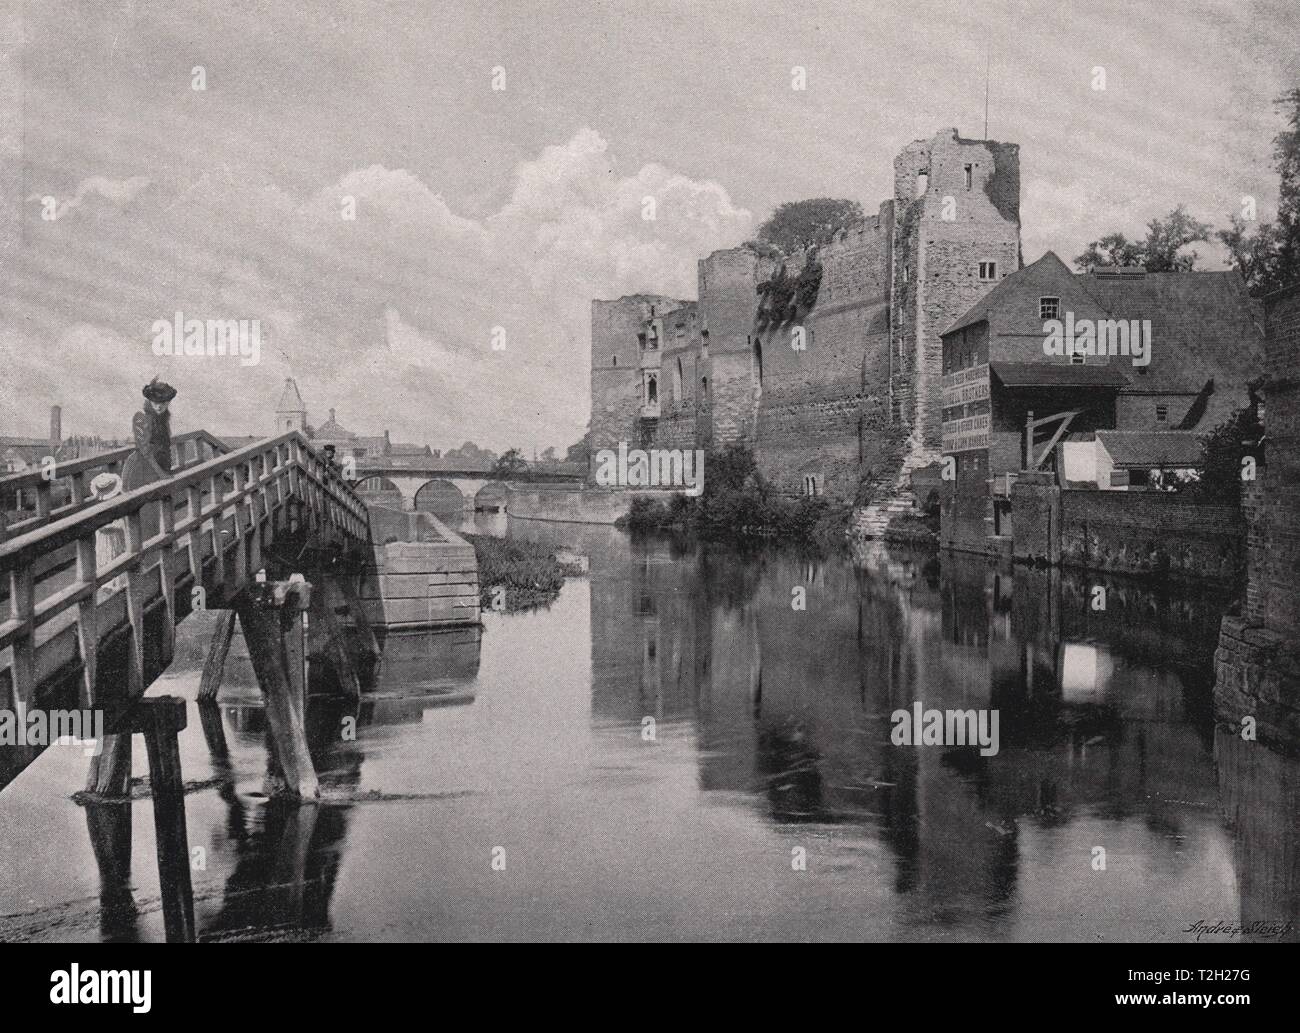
811,485
988,271
615,360
1049,308
970,171
704,388
677,382
1077,359
640,341
1162,414
907,272
922,182
651,389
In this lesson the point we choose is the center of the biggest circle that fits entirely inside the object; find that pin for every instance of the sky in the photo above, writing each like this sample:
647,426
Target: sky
494,215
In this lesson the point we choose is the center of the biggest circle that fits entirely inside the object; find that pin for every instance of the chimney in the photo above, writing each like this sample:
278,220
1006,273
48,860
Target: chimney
331,416
56,424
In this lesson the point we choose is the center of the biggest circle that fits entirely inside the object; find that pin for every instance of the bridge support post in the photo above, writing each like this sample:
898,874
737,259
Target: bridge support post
271,617
215,664
161,719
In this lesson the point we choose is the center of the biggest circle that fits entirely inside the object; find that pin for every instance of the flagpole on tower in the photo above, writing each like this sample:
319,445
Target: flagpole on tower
986,93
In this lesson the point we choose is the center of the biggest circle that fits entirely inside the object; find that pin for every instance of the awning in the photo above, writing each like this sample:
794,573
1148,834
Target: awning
1057,374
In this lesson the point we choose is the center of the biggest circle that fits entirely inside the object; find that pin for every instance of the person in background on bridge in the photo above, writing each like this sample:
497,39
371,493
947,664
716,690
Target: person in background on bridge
330,459
152,459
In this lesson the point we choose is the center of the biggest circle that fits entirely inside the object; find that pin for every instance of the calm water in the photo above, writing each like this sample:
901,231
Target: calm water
771,739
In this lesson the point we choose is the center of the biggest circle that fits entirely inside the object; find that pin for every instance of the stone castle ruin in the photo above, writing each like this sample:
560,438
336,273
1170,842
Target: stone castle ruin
827,363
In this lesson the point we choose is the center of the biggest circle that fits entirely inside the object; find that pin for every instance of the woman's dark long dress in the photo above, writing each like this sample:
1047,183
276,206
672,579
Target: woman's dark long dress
153,439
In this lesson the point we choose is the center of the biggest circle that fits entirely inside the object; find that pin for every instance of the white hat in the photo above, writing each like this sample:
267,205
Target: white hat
105,485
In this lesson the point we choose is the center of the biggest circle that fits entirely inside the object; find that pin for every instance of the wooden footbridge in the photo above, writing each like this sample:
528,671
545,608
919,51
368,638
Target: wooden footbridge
268,532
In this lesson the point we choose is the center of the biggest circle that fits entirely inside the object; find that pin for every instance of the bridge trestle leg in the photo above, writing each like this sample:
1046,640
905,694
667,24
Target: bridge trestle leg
271,618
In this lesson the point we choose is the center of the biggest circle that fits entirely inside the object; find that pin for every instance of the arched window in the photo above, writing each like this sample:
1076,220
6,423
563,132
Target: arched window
704,388
651,389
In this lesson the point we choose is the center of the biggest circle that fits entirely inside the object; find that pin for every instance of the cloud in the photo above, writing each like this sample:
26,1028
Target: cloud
380,298
119,191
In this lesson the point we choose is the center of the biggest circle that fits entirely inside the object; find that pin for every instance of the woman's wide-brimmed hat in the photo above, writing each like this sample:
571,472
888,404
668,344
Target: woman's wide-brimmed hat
105,485
158,391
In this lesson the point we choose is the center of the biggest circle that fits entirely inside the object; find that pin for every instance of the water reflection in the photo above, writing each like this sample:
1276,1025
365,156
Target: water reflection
656,747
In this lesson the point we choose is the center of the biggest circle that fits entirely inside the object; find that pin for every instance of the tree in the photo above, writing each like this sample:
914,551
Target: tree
512,466
580,450
549,456
469,450
1160,252
1269,256
799,224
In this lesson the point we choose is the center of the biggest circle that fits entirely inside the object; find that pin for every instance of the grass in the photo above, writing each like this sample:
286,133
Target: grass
529,573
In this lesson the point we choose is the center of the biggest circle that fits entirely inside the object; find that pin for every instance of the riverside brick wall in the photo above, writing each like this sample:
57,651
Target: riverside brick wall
1257,666
1129,532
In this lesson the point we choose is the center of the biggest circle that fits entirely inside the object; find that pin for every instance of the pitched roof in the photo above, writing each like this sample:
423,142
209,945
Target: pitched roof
1204,326
1149,448
290,399
333,430
1057,374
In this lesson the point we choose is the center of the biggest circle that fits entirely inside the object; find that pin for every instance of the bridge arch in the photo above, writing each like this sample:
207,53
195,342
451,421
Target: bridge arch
491,498
441,498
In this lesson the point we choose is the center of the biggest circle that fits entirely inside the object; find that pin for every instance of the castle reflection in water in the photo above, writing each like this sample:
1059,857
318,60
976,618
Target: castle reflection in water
1106,726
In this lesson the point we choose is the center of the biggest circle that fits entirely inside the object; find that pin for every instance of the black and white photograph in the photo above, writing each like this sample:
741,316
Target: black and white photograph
650,471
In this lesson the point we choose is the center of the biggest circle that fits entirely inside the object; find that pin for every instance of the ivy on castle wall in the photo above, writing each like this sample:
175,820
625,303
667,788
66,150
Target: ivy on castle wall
783,295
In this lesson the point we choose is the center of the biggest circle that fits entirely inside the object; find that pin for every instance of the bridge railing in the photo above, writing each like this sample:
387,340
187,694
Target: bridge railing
70,481
207,525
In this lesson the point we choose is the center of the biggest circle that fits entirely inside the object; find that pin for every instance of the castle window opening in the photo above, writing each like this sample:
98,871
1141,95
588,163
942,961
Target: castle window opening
988,271
922,182
970,171
758,361
1162,414
907,272
651,389
677,381
811,485
1049,308
640,341
615,360
704,387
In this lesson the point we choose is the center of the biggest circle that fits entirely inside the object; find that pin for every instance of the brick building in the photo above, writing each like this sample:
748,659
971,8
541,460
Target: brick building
1101,407
1258,661
827,362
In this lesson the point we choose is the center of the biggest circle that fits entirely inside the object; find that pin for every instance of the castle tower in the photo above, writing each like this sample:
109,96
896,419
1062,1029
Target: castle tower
290,413
957,233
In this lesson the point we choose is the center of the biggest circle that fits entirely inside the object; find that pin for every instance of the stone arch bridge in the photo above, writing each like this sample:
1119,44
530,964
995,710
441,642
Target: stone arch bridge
448,487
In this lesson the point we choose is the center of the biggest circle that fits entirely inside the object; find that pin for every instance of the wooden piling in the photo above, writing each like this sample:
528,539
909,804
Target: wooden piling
161,719
271,618
218,650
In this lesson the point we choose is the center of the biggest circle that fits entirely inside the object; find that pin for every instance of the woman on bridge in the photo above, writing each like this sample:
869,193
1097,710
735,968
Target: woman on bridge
152,459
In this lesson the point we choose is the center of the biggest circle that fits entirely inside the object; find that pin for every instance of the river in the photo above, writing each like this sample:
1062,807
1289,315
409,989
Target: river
674,750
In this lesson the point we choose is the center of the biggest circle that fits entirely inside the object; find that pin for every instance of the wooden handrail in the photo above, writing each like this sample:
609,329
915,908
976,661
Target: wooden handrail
213,519
22,549
78,472
69,468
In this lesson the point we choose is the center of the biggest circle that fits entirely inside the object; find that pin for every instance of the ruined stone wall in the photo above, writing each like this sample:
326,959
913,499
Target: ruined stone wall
824,408
727,306
615,373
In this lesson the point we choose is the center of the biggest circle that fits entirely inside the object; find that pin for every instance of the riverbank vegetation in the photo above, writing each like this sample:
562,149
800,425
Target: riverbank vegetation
529,573
738,505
